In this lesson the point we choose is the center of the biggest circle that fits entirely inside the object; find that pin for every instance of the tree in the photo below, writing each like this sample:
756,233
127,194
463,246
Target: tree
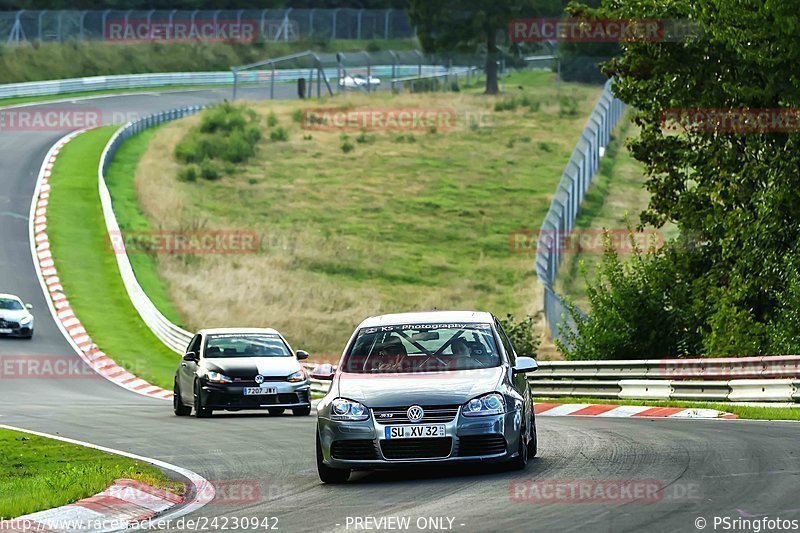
445,26
735,192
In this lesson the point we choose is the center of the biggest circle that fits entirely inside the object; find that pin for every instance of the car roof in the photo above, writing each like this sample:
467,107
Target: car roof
228,331
429,317
3,295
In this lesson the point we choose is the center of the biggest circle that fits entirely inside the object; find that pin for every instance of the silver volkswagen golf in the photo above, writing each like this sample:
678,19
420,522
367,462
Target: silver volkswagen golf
434,387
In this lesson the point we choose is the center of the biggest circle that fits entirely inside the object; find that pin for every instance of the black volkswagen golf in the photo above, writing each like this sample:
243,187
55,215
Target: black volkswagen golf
244,368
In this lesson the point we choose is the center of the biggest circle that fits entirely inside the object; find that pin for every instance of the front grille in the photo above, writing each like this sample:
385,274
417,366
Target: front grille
5,324
481,445
235,400
433,414
247,380
354,450
417,448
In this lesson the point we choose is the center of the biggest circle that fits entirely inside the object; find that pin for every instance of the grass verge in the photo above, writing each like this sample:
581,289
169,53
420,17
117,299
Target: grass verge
119,179
357,223
742,411
87,266
38,473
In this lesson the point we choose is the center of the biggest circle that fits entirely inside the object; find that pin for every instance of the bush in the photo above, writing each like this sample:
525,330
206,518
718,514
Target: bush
189,172
209,171
520,333
279,134
364,138
568,106
347,147
272,119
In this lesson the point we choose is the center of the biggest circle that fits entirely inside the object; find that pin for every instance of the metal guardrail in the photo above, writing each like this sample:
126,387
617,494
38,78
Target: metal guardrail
175,337
163,25
145,81
560,219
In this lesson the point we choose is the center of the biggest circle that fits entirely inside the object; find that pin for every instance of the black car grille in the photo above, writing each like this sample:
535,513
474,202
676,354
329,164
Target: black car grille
433,414
234,400
473,445
417,448
6,324
354,450
251,379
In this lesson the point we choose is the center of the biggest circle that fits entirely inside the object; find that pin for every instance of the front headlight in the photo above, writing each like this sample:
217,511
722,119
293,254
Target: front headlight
489,404
216,377
26,320
297,377
344,409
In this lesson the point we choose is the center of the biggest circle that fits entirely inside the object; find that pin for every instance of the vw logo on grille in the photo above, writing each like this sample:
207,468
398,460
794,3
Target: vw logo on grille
259,379
415,413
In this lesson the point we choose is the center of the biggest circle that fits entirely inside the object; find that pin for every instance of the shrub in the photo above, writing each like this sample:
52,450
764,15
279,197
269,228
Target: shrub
568,106
279,134
364,138
347,147
209,171
297,116
189,172
520,333
272,119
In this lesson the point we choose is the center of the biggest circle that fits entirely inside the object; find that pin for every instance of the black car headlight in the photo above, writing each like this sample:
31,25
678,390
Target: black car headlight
344,409
216,377
488,404
297,377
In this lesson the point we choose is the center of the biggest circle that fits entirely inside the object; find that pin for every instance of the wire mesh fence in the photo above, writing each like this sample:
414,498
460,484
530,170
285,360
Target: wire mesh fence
245,25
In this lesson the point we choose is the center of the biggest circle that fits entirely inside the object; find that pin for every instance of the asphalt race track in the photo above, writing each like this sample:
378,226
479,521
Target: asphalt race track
264,466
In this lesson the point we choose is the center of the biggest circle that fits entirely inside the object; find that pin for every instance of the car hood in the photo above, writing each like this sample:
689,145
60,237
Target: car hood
434,388
8,314
248,367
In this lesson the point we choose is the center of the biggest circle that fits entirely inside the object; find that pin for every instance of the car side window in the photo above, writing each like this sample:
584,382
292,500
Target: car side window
194,346
509,349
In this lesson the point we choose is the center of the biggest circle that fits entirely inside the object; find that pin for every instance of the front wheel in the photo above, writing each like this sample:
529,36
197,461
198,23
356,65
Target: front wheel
328,474
302,411
521,460
177,402
200,410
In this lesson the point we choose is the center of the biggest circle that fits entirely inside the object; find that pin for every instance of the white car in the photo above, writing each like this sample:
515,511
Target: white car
15,317
357,81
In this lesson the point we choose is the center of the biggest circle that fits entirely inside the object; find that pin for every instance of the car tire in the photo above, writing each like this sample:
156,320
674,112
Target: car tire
276,411
302,411
521,460
29,336
326,473
533,444
177,403
200,411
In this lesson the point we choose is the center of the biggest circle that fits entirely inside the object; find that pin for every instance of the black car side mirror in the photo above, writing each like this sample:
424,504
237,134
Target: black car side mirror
191,356
301,354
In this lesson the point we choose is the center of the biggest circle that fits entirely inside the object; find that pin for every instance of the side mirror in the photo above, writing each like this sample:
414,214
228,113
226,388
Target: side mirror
525,365
191,356
28,307
301,354
323,372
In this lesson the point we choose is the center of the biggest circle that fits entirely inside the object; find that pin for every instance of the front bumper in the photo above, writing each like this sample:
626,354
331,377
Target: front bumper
362,445
15,329
231,397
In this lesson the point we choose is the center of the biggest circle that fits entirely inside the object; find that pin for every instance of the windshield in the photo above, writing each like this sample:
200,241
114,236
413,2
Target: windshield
422,348
10,304
245,345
